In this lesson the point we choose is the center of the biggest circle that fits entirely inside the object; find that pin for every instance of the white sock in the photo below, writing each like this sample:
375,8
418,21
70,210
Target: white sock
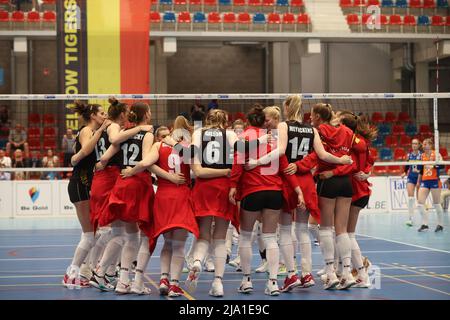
112,251
177,261
245,251
129,253
96,252
229,240
287,248
423,214
294,239
327,247
357,261
439,213
344,247
220,257
411,202
87,241
305,247
142,260
201,250
166,256
337,265
314,231
272,253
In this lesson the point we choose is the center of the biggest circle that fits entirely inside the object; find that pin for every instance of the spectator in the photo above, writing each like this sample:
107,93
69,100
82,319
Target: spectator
19,161
4,126
5,162
4,115
34,162
19,4
17,140
213,105
197,113
68,142
50,161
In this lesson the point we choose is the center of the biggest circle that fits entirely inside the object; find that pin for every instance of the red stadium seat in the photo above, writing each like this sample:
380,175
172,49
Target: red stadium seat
254,3
391,141
49,1
352,19
444,153
213,17
49,119
239,115
405,141
229,17
403,117
415,4
180,2
244,18
377,117
33,133
373,153
409,20
303,18
273,18
33,18
437,21
346,3
155,17
18,16
184,17
49,133
288,18
359,3
297,3
268,3
429,4
49,144
447,21
34,119
399,154
34,144
379,170
395,20
239,3
425,130
49,16
210,3
390,117
398,130
373,3
383,19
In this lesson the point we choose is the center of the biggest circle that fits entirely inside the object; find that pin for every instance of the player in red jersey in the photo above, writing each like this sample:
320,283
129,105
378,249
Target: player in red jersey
172,210
335,195
430,182
109,161
296,140
80,183
261,194
362,168
131,201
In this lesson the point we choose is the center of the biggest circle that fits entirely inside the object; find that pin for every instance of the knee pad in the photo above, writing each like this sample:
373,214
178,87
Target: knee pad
178,248
119,240
303,233
87,241
144,247
245,239
270,240
132,240
220,250
438,207
285,235
105,237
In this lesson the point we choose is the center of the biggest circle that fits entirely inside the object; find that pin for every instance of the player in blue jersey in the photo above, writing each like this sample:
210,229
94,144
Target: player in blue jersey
412,173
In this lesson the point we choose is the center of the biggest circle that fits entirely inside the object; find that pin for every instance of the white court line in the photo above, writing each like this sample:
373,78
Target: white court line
40,246
415,284
417,272
407,244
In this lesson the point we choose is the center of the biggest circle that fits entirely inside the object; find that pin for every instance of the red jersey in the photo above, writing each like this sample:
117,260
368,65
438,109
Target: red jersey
363,162
170,161
261,178
337,141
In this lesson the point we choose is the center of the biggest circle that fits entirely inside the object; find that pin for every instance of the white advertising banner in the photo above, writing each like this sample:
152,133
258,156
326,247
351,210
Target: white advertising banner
6,199
34,198
379,199
66,208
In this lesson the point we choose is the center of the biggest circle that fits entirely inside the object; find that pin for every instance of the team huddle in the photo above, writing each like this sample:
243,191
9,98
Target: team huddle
289,177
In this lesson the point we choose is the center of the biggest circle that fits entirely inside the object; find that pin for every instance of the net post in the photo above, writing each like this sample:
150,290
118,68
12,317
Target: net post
436,129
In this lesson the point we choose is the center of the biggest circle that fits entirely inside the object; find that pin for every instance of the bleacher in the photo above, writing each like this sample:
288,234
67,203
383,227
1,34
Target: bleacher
400,16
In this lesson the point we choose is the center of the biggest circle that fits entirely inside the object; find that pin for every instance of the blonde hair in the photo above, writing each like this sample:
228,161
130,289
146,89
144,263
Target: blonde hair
182,129
238,122
216,118
293,105
158,131
273,111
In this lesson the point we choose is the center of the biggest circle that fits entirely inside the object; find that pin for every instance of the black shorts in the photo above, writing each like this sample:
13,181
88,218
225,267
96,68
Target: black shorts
335,187
260,200
78,191
361,202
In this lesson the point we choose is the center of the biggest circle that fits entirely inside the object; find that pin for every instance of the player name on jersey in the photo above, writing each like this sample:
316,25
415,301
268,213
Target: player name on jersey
301,130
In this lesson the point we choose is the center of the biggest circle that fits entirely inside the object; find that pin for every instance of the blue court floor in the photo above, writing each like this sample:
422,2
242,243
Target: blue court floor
34,255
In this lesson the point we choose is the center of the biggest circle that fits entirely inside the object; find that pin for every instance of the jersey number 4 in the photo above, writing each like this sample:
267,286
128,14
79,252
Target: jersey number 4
299,150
